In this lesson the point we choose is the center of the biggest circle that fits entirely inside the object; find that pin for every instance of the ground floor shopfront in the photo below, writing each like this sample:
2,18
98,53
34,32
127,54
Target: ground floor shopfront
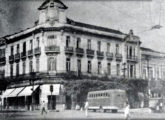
31,97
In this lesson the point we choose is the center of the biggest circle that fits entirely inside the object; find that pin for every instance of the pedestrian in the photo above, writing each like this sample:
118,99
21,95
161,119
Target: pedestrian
127,112
86,108
43,108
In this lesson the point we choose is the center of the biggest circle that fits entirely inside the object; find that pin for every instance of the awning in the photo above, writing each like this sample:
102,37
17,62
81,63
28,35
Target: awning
16,92
56,89
28,91
7,92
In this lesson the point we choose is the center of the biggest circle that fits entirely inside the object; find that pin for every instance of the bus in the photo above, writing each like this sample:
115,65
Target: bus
107,100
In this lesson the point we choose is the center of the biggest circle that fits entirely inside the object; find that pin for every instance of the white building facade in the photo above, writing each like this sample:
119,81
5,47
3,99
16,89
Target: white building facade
38,57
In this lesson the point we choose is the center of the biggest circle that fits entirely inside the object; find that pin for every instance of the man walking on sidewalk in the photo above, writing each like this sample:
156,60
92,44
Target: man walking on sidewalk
43,108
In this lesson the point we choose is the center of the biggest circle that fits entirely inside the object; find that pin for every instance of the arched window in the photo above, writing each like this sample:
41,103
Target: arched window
52,64
130,51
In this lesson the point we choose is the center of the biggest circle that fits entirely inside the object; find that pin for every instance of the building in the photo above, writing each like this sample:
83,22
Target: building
35,58
153,69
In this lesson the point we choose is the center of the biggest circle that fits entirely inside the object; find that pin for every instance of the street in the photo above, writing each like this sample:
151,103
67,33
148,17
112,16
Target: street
72,114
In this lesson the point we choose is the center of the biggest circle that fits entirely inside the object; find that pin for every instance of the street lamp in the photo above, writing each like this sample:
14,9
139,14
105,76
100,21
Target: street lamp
51,90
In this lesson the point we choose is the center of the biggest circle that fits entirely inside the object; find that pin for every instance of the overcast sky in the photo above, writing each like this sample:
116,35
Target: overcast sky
123,15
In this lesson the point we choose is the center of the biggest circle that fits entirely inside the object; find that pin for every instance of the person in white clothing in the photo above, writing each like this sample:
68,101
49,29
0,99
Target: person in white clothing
86,108
127,112
43,108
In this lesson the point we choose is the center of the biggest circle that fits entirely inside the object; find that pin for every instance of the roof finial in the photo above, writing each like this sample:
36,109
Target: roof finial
131,32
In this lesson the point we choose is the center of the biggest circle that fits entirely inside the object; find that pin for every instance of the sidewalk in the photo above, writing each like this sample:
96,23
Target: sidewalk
73,114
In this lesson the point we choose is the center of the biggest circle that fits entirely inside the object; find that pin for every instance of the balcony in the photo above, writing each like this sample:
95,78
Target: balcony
69,50
109,56
3,60
23,55
79,51
17,57
90,53
118,57
100,54
30,53
52,49
11,58
37,51
132,58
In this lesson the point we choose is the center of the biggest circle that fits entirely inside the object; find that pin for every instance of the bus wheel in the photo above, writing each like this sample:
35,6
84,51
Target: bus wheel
114,111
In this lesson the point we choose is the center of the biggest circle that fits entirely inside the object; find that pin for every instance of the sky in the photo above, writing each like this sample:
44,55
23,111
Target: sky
123,15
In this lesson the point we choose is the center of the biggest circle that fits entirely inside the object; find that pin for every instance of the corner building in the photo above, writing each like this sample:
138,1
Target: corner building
35,58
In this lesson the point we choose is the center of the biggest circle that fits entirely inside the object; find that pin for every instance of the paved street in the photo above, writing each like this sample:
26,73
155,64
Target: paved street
70,114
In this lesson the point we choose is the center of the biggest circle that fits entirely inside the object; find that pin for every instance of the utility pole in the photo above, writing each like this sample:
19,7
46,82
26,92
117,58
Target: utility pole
32,83
148,68
51,101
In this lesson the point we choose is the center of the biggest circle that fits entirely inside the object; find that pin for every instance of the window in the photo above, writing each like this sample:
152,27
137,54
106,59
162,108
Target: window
118,69
37,65
24,66
158,75
144,73
131,70
38,42
11,70
17,48
31,45
68,64
78,42
51,40
79,66
89,44
99,45
12,50
89,66
106,94
31,66
117,48
51,64
109,68
134,51
67,41
108,47
130,51
24,48
2,53
17,69
99,67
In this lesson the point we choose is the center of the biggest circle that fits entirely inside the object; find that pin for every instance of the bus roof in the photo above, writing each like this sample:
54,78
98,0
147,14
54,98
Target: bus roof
109,90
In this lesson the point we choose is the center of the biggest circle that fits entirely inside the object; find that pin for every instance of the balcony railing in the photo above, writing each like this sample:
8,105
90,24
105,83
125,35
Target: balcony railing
80,51
17,57
11,58
23,55
109,55
68,50
30,53
132,58
37,51
118,56
3,60
100,54
90,53
52,49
